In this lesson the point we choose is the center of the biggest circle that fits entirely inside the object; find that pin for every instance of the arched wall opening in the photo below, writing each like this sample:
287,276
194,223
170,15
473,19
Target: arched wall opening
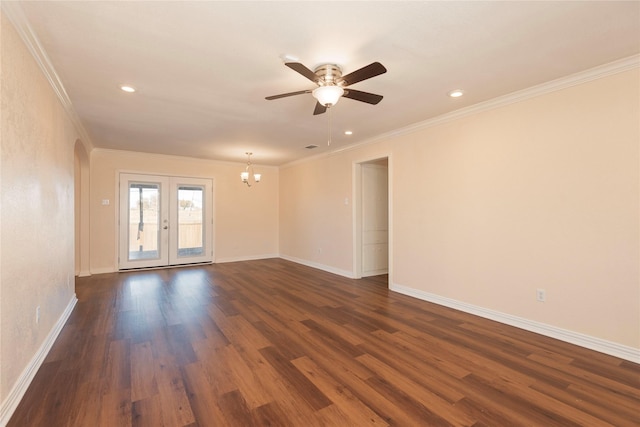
81,209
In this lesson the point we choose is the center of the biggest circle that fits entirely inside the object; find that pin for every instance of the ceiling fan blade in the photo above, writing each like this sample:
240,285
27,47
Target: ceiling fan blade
369,98
301,69
319,109
364,73
284,95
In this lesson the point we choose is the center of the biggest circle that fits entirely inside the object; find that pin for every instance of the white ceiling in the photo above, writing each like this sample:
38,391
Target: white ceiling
202,69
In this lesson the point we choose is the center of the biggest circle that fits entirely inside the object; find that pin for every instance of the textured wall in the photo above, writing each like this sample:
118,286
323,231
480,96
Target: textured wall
37,228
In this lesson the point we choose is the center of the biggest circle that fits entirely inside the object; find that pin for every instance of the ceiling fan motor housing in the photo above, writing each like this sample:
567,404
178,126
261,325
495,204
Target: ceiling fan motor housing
328,74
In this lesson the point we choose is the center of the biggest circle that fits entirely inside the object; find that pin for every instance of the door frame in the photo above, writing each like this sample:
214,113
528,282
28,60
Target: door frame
357,213
212,233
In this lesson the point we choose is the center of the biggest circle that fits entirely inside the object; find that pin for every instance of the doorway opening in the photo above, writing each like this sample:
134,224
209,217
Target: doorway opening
372,254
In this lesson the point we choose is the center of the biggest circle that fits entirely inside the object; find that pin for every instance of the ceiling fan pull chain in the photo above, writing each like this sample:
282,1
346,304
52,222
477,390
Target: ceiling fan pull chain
329,140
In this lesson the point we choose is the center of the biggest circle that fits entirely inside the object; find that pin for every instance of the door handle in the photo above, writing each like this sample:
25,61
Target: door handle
165,227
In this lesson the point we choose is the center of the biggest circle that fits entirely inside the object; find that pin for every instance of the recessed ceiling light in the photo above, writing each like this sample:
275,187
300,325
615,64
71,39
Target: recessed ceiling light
348,132
457,93
128,89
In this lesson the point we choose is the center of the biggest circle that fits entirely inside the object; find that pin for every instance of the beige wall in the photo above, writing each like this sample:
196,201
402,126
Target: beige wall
246,219
81,209
315,223
543,193
37,199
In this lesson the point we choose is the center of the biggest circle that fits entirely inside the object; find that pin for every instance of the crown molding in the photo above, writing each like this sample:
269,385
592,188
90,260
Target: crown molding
146,155
615,67
16,16
622,65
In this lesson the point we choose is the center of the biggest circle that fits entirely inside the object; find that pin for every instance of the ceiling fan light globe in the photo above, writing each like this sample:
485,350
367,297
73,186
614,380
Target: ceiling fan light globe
328,95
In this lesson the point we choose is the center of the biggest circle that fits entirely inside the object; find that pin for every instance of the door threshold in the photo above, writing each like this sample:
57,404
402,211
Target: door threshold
162,267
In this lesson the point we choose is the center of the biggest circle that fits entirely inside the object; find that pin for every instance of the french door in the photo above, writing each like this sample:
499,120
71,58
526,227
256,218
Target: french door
164,221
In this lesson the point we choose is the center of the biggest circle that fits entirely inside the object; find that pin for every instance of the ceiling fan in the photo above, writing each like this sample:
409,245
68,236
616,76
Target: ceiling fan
332,84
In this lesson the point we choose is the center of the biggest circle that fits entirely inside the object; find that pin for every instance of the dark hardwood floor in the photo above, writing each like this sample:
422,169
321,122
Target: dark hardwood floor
273,343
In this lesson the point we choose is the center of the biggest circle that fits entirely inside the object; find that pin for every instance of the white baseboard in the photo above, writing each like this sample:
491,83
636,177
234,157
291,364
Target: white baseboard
375,272
103,270
84,273
327,268
603,346
244,258
20,387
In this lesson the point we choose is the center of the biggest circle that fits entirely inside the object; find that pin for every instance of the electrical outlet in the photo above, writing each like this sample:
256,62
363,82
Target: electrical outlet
38,314
541,295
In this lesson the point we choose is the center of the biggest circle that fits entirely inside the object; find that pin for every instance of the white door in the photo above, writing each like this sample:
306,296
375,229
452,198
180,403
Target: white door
164,221
375,221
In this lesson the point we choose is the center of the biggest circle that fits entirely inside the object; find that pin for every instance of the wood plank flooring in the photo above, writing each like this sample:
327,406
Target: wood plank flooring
273,343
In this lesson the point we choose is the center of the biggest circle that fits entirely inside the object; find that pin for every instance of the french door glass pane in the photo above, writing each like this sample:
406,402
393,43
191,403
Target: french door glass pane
190,221
144,216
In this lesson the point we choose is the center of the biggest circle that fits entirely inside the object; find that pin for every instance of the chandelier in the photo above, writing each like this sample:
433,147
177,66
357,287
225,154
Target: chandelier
248,171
